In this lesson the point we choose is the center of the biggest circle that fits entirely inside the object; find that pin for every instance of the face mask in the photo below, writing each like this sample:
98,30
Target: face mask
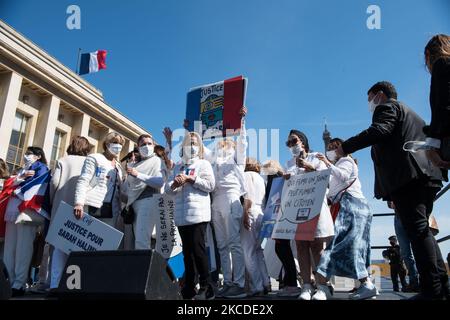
114,148
190,152
296,150
146,151
331,155
373,105
415,146
29,159
225,153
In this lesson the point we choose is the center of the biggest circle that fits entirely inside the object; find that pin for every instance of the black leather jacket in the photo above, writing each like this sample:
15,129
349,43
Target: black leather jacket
440,100
393,124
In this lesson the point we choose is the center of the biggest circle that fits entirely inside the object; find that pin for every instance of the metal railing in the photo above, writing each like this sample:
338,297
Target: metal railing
439,194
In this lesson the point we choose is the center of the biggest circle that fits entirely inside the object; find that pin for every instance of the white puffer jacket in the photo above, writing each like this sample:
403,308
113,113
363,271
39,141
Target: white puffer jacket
91,187
192,201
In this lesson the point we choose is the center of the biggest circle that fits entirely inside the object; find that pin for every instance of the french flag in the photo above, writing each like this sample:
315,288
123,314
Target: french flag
92,62
33,194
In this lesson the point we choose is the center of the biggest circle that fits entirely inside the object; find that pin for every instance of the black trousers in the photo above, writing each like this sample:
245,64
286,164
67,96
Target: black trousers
195,255
284,253
398,271
414,204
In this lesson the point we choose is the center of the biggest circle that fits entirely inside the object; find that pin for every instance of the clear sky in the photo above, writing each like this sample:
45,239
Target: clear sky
305,60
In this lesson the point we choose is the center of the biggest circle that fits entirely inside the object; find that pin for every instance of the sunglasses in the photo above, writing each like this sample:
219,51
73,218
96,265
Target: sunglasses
292,142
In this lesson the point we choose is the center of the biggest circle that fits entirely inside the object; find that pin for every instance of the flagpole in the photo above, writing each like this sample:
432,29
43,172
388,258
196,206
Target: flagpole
78,61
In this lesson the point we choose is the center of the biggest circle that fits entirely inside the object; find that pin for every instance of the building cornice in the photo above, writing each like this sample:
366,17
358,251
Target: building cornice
27,55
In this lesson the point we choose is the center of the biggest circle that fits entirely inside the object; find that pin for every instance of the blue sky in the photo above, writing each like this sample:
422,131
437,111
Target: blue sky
305,60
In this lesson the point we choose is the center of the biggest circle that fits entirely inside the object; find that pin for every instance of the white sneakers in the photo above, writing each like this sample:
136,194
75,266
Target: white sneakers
366,290
322,293
307,292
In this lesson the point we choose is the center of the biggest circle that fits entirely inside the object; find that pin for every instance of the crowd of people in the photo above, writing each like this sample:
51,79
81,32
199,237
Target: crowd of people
226,190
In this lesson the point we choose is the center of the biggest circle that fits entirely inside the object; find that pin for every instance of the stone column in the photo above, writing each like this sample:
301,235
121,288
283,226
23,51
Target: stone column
9,98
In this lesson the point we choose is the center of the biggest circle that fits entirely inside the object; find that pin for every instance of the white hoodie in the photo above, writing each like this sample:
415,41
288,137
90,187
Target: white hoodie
229,173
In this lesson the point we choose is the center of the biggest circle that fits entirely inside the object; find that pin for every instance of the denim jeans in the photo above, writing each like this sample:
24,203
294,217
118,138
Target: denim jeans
406,251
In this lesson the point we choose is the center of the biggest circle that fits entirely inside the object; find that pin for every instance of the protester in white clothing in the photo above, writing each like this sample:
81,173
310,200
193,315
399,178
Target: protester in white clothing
145,182
98,187
250,234
348,254
309,252
23,223
62,188
228,161
190,183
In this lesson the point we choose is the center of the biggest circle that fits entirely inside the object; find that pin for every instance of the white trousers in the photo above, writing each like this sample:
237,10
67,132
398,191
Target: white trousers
227,221
18,252
59,259
254,253
146,217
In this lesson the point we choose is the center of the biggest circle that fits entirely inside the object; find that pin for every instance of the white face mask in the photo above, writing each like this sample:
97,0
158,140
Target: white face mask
115,148
147,150
29,159
190,152
331,155
373,105
225,153
296,150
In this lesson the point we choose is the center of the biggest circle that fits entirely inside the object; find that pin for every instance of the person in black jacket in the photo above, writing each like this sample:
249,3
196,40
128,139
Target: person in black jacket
396,263
399,178
437,59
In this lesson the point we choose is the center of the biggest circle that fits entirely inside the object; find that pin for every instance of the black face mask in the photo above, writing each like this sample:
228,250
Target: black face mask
393,244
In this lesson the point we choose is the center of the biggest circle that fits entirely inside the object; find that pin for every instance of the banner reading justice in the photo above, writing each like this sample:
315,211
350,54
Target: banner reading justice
87,234
216,107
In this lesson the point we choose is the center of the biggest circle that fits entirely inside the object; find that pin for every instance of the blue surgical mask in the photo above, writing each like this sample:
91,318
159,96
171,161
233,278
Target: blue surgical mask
115,148
147,150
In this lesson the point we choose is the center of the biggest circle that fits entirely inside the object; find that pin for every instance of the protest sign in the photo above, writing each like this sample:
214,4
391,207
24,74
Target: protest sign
86,234
216,107
168,240
272,209
302,200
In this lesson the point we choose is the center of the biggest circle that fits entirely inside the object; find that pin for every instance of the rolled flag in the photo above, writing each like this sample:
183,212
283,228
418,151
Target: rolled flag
92,62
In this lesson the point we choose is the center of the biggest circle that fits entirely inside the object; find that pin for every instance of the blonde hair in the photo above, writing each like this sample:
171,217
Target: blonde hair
187,143
113,137
438,47
227,142
272,167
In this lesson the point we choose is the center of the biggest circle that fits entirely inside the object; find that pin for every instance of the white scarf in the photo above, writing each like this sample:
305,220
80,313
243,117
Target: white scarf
135,185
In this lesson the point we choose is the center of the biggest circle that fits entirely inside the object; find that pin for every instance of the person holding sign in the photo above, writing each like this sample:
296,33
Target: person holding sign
145,180
348,254
98,187
228,161
62,188
190,183
309,252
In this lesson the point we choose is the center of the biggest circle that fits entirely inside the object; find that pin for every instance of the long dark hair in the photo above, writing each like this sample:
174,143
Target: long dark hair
37,151
4,172
337,142
438,47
